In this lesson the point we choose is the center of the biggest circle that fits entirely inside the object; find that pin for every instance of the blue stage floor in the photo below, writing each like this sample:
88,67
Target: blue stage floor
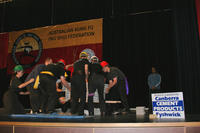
45,116
127,118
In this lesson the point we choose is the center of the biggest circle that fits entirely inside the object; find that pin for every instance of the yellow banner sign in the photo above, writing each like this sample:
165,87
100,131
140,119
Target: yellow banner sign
71,34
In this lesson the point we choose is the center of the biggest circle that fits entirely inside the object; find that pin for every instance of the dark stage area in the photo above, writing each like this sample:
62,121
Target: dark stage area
136,35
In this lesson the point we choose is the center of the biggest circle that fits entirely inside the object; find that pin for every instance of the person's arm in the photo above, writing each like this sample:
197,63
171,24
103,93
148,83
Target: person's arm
26,83
86,72
111,84
158,80
67,66
65,83
24,93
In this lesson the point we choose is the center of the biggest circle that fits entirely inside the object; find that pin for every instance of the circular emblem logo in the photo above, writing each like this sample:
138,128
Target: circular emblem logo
27,50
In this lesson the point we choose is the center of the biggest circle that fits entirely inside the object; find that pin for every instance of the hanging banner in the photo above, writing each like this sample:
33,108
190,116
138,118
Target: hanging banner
29,47
168,105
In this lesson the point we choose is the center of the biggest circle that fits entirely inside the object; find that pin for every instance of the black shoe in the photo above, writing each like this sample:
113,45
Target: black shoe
91,113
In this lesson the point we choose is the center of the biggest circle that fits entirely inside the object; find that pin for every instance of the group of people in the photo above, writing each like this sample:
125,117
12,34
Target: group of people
42,86
86,76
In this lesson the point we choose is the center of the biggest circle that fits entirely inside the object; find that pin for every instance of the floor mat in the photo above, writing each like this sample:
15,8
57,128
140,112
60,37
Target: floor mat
49,116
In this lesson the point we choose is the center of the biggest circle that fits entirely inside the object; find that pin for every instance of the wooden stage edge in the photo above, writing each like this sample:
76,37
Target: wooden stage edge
99,125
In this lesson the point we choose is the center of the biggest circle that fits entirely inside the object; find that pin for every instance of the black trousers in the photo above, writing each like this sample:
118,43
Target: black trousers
11,103
34,98
65,106
48,93
118,92
96,81
78,91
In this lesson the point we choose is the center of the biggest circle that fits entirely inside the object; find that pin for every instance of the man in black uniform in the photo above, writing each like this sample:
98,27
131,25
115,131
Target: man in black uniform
47,80
11,101
78,84
96,81
117,83
35,93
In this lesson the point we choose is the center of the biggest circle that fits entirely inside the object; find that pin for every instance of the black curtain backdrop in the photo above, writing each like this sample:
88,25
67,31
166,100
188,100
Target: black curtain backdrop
4,81
188,53
23,14
135,43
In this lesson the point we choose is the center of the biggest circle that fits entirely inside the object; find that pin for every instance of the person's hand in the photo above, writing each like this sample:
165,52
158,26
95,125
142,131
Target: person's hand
31,80
24,93
21,93
62,100
67,66
86,80
58,90
153,87
107,90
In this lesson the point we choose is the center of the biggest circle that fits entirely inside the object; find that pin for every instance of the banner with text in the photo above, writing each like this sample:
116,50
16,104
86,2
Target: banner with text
168,105
29,47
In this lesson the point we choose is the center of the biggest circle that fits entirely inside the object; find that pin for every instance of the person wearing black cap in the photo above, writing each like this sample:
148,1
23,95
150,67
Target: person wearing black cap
11,102
35,93
78,84
47,83
96,81
117,82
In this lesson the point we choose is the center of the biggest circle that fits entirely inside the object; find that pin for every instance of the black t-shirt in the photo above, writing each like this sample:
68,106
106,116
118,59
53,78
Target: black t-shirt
115,72
95,68
79,66
14,83
56,69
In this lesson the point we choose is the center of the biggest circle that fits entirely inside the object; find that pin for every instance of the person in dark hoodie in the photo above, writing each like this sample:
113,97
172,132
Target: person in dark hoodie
96,82
35,93
78,84
11,102
47,83
117,83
